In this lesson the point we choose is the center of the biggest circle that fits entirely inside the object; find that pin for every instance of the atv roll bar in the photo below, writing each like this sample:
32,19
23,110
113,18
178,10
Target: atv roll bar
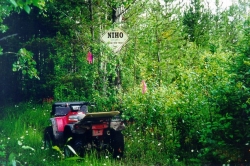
69,104
65,104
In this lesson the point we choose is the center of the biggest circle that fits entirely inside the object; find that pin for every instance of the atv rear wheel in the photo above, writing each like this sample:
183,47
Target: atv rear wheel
117,144
48,138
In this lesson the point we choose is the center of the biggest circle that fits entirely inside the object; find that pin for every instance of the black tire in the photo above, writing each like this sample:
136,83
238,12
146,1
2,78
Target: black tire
67,151
49,140
117,144
77,146
67,134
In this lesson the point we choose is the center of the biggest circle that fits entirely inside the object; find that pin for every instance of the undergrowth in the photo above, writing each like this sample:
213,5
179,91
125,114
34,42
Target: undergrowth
21,143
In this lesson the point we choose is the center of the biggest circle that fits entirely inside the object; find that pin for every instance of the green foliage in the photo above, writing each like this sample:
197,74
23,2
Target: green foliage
197,23
25,5
25,63
2,153
193,108
6,8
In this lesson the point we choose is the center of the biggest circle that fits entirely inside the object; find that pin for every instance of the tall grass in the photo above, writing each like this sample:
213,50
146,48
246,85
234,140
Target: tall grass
21,142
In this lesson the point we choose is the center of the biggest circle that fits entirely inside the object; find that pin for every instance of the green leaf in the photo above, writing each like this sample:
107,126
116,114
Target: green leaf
39,3
13,3
70,138
11,157
3,28
56,148
244,106
74,158
1,51
27,9
28,147
72,150
24,72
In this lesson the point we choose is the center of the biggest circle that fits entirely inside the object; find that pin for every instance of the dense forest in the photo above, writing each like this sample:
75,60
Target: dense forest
181,80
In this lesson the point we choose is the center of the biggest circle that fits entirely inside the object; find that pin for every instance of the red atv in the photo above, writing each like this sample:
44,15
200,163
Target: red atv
73,126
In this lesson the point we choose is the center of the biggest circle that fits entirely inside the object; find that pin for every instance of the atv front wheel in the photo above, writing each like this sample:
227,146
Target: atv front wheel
67,151
79,148
74,148
117,144
48,138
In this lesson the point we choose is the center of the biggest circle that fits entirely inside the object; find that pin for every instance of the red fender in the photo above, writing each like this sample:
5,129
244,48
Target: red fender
60,123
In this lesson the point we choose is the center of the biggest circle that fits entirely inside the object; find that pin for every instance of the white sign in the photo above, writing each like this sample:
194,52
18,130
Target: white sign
115,38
